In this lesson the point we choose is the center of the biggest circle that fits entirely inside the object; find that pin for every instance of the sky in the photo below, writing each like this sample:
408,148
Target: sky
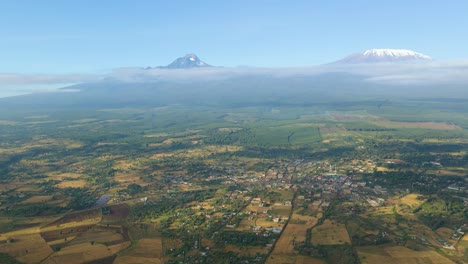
53,42
97,36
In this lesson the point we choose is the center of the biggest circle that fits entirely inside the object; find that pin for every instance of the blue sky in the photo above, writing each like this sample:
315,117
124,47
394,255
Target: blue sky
58,37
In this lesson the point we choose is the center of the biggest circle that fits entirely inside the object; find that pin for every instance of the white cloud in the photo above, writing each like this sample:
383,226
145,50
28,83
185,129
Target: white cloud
37,79
395,74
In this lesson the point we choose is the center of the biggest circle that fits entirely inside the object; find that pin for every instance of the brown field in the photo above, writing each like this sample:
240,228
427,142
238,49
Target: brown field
118,213
73,184
135,260
294,233
206,205
5,187
156,135
85,252
148,250
411,200
125,164
93,215
128,178
99,235
37,199
292,259
29,248
448,173
330,233
281,259
258,221
28,188
246,251
399,255
61,241
308,260
445,232
280,210
62,176
57,234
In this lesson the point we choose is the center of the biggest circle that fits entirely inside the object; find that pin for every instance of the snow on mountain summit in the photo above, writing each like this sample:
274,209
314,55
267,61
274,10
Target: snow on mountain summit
187,62
386,56
395,53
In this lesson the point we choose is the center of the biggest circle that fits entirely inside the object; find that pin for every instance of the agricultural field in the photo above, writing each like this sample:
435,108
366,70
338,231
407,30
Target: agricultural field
398,254
146,250
285,184
330,233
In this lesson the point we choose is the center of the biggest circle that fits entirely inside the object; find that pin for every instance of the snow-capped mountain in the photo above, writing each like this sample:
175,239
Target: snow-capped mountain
186,62
385,56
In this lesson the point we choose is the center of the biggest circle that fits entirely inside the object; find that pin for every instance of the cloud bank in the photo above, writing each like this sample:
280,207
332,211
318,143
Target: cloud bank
393,74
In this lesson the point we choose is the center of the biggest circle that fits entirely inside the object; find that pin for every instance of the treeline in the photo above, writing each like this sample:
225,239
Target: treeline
242,238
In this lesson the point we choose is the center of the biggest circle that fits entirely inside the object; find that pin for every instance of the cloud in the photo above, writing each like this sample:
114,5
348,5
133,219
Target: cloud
12,84
433,73
39,79
394,74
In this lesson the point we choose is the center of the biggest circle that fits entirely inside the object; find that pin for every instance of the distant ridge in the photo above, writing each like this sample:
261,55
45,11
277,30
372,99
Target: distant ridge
385,56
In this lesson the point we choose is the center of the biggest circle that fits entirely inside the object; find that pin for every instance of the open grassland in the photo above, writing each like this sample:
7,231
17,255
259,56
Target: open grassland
294,233
106,236
37,199
250,251
72,184
445,232
460,172
308,260
281,210
28,248
66,175
88,217
293,259
399,255
147,250
281,259
330,233
85,252
413,200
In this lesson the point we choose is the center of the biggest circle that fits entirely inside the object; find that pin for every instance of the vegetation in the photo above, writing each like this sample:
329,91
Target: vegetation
233,184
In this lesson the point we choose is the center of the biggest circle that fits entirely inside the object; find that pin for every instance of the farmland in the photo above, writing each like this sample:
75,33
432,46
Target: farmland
284,184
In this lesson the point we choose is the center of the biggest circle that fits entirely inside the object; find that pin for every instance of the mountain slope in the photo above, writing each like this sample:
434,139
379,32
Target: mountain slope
385,56
186,62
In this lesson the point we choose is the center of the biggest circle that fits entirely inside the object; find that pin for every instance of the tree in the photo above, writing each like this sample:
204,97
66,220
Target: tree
134,189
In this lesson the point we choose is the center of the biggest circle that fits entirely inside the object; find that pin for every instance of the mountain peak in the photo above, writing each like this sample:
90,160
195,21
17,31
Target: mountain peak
188,61
385,56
